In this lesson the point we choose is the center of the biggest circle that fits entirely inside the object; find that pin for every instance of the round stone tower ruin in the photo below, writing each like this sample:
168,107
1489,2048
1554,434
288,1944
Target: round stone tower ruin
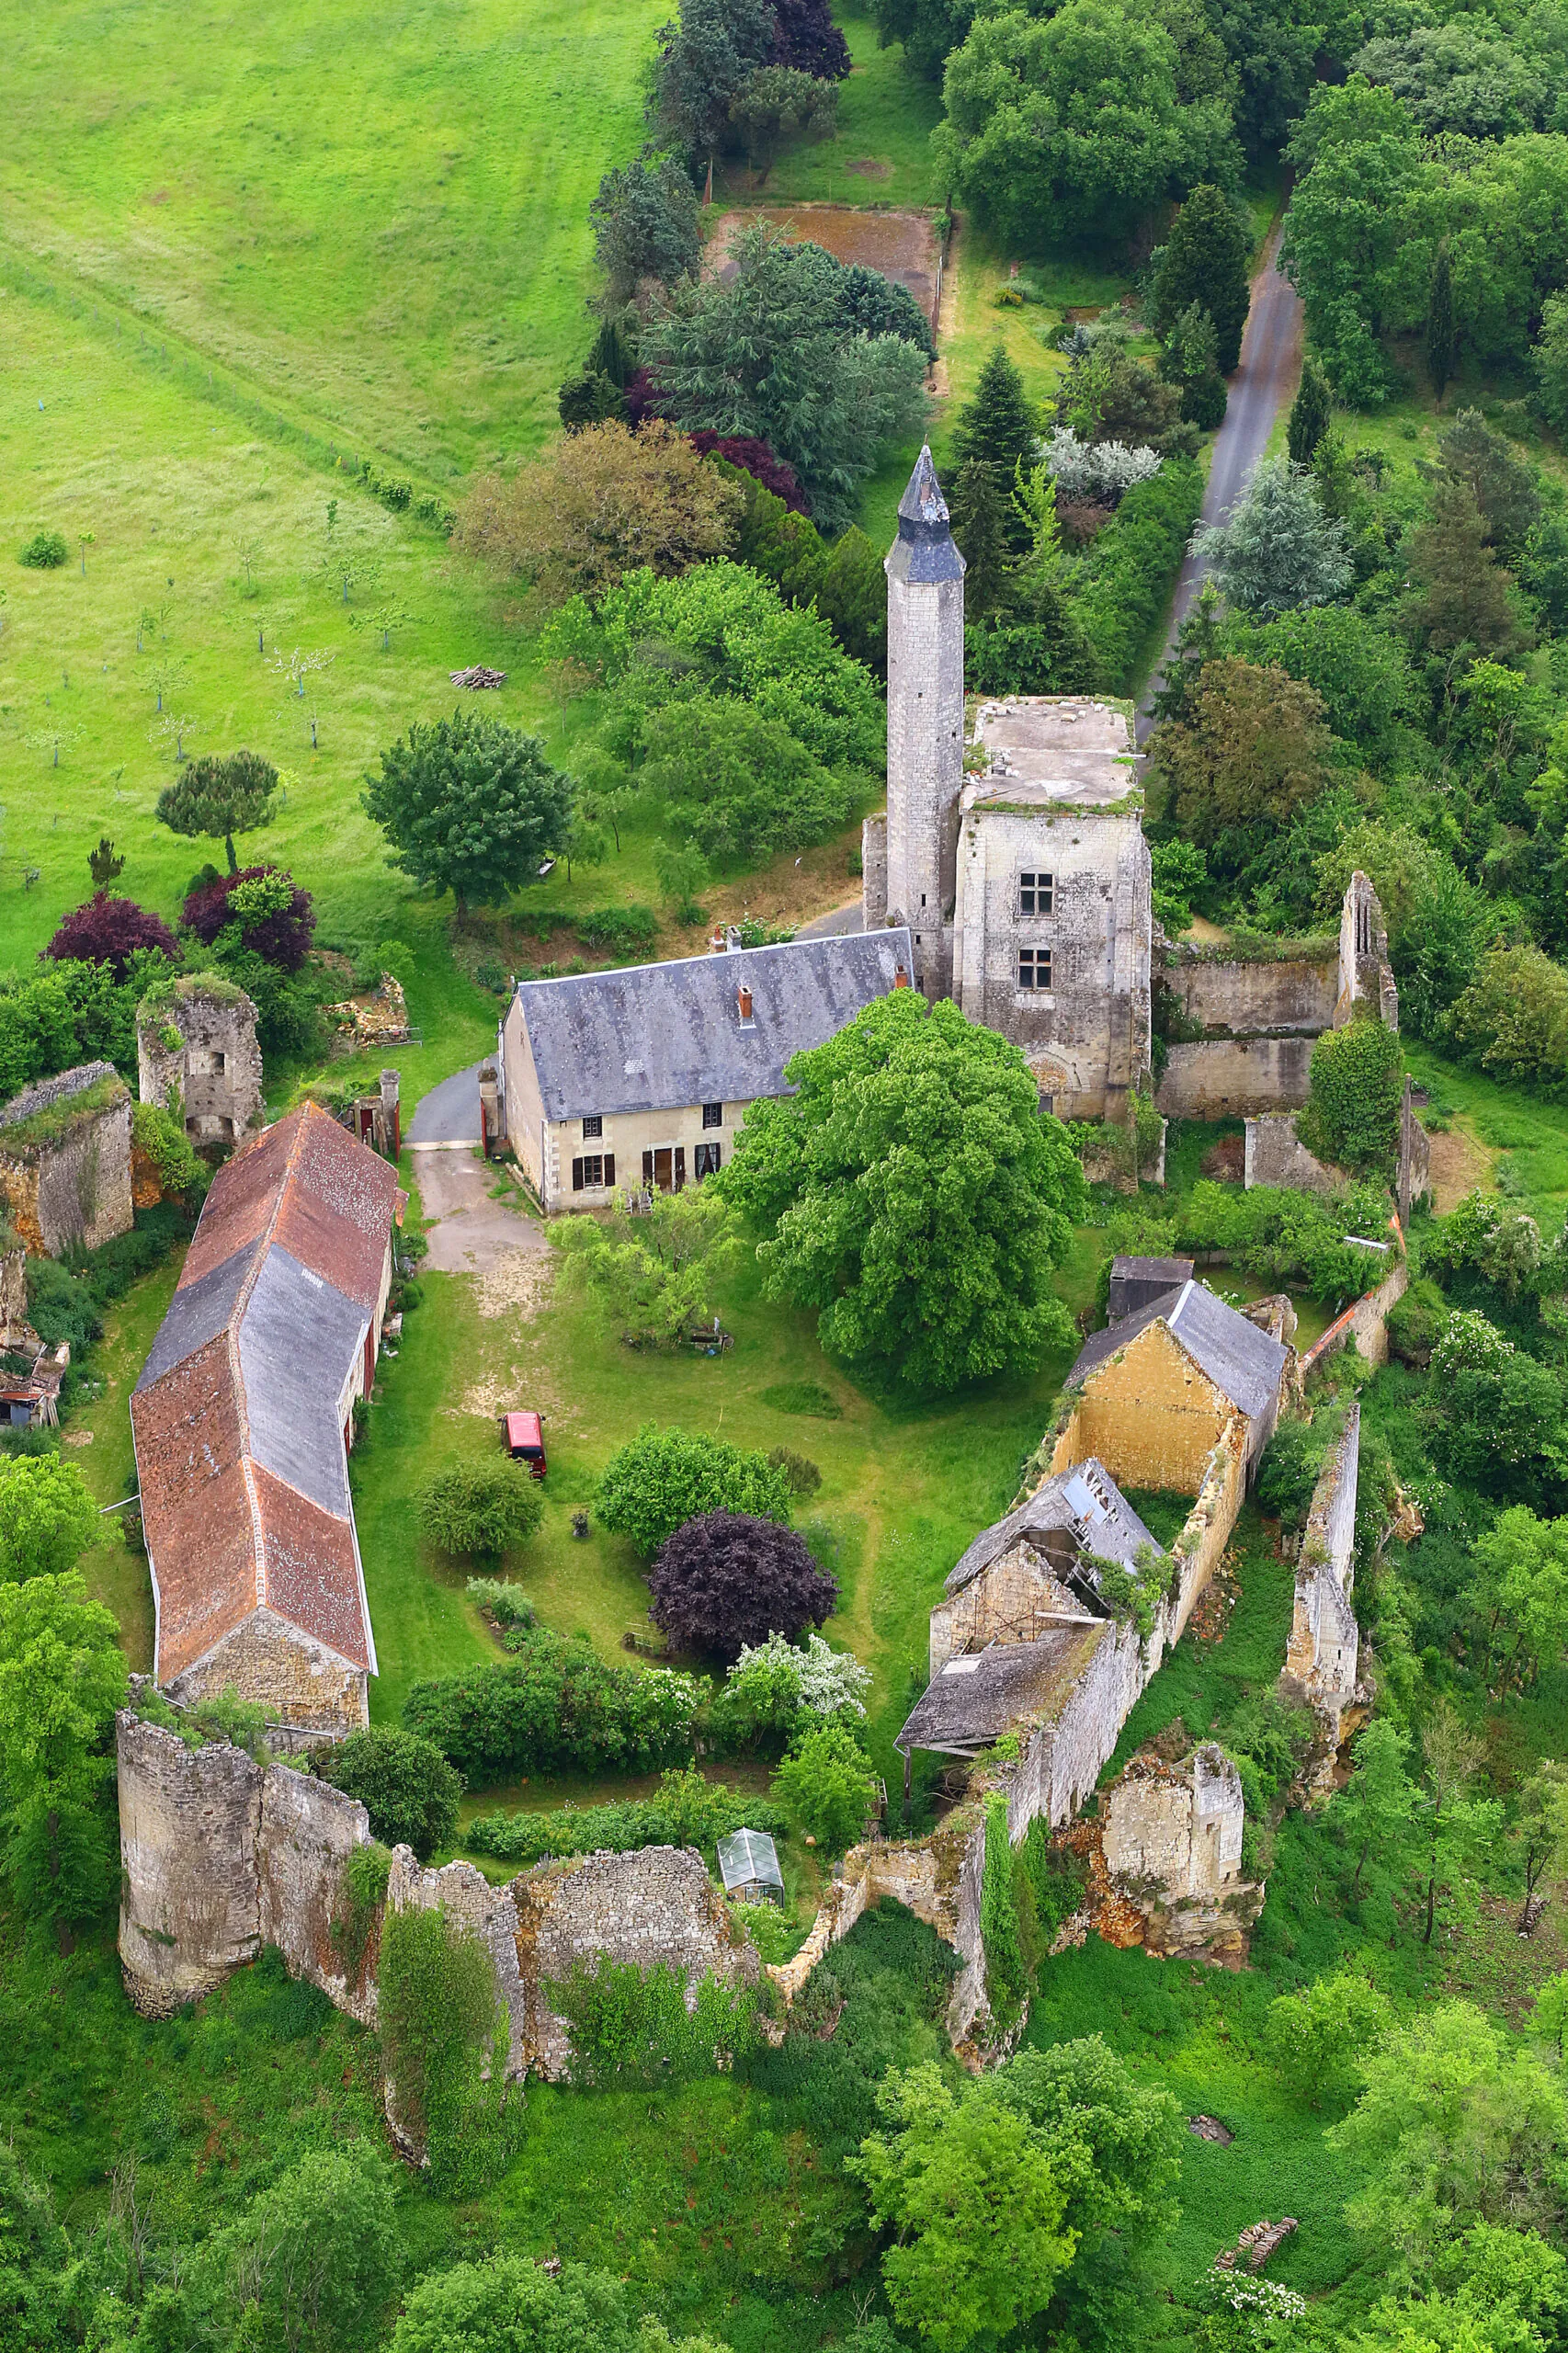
926,713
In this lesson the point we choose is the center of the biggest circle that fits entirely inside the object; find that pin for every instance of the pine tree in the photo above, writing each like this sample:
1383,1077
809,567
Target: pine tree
999,428
1465,599
1205,261
1310,414
1440,333
985,527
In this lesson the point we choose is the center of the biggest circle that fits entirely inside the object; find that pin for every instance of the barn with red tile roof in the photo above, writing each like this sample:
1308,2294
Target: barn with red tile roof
242,1419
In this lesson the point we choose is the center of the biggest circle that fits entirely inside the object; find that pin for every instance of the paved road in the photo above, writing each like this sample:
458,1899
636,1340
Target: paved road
449,1113
1263,385
836,924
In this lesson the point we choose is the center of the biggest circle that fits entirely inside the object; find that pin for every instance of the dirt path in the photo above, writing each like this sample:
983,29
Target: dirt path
469,1234
1261,386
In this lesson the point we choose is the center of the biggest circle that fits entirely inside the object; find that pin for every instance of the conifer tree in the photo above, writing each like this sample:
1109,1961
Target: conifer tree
1440,332
1311,413
998,427
1465,598
985,527
1205,261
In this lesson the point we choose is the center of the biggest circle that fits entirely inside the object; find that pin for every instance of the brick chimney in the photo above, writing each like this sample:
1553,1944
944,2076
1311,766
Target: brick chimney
743,1005
899,977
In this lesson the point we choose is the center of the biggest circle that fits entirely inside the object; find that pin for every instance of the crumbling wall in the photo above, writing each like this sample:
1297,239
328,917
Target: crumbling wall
308,1831
1322,1655
1171,1838
190,1910
654,1908
197,1050
1149,1413
14,1325
1276,1155
1227,1078
1365,1322
874,871
72,1187
1016,1598
1243,999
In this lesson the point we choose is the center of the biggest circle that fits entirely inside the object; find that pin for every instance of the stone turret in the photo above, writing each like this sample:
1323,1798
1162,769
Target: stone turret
924,574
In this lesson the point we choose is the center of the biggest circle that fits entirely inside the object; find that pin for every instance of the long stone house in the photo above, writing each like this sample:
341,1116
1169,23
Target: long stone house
641,1079
243,1420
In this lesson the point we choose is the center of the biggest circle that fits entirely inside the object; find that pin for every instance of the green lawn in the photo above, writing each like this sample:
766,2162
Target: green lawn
885,120
378,215
1525,1136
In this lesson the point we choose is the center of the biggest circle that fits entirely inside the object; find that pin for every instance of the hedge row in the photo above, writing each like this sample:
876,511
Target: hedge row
1127,573
584,1830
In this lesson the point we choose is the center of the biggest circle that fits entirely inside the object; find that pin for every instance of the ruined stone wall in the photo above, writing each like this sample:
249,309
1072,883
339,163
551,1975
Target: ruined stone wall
1366,1322
1149,1413
1276,1155
1087,1036
267,1659
467,1898
1227,1078
72,1189
1322,1655
14,1324
308,1832
1171,1841
874,871
189,1907
214,1070
1247,1000
654,1908
1016,1599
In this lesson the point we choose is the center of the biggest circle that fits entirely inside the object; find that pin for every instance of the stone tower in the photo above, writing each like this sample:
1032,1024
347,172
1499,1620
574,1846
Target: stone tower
925,726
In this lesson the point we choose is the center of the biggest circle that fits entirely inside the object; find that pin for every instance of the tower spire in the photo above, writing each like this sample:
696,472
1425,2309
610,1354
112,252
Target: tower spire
924,525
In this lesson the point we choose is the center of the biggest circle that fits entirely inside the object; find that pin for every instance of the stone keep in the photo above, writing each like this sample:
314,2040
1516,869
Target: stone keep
196,1044
926,714
1026,886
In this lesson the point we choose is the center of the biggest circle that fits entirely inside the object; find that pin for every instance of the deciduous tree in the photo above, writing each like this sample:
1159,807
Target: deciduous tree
470,805
404,1782
912,1190
1254,748
654,1275
660,1479
48,1517
725,1579
110,931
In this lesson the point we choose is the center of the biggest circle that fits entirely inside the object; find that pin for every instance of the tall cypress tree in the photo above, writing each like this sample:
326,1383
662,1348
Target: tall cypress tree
1205,261
1441,336
1311,414
984,526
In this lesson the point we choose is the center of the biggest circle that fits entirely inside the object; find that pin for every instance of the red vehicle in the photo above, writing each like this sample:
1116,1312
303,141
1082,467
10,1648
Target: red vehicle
524,1434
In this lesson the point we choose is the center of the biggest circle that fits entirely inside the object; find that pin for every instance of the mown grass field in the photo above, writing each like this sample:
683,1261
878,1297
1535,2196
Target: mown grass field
377,214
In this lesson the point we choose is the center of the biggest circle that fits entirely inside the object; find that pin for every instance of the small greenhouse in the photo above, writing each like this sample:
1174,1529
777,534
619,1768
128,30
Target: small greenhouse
748,1864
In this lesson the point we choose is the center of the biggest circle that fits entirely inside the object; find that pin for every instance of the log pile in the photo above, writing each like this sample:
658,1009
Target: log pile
477,676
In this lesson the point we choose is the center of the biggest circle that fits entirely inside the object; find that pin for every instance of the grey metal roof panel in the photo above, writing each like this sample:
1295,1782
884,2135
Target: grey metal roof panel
298,1340
1244,1363
976,1699
1115,1531
749,1855
1169,1272
197,1313
658,1036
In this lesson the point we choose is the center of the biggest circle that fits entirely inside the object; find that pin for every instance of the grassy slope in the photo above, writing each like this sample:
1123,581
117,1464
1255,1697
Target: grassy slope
379,213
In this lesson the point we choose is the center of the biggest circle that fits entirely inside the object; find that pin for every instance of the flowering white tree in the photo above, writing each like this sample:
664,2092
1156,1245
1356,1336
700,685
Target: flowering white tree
776,1681
1101,469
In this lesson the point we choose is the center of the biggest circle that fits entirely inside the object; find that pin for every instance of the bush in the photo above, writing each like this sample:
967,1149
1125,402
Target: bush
660,1479
1128,572
726,1579
275,918
828,1783
1289,1471
167,1145
635,2026
803,1475
404,1782
479,1507
752,457
442,2026
624,931
527,1838
45,551
554,1706
507,1603
1352,1114
110,931
1414,1323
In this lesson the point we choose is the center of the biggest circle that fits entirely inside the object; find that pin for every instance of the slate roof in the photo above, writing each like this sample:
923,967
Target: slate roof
977,1698
1135,1282
1244,1363
659,1037
925,549
1084,1501
239,1449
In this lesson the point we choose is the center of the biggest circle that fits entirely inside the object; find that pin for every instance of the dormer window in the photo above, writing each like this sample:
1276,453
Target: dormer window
1037,894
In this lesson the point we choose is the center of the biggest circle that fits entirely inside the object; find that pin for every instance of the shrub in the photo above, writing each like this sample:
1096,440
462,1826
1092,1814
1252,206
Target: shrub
660,1479
635,2026
1289,1471
802,1474
110,931
45,551
275,918
554,1706
624,931
1352,1114
754,457
1414,1323
404,1782
725,1579
507,1603
479,1507
632,1822
441,2024
828,1783
167,1145
1513,1017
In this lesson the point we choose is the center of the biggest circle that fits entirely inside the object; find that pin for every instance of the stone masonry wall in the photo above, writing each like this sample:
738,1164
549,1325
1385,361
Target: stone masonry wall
1226,1078
1323,1656
874,871
321,1696
215,1069
1149,1413
656,1907
1244,1000
1366,1322
1276,1155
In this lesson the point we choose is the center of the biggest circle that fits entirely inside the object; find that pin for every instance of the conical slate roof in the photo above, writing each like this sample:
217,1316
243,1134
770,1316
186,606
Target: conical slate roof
924,551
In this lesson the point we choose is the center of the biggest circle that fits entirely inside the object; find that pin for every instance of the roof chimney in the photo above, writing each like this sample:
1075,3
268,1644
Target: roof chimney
899,977
743,1005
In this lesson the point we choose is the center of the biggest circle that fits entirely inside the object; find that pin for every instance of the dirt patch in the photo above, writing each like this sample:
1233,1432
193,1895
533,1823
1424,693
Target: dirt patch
1459,1165
517,1283
902,245
870,167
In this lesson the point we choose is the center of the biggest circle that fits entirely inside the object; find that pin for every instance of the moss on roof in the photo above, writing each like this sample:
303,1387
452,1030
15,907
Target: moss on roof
24,1139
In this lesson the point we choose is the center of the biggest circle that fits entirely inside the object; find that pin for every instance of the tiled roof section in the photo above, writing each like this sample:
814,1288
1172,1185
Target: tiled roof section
196,1508
1244,1364
245,1491
976,1699
1085,1501
311,1570
659,1037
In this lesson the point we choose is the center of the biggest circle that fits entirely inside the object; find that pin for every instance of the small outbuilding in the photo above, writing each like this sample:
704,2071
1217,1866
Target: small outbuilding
748,1865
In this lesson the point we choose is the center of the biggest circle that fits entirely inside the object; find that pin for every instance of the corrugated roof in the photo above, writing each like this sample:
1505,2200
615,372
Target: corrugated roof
1085,1501
657,1037
1244,1363
976,1699
245,1489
